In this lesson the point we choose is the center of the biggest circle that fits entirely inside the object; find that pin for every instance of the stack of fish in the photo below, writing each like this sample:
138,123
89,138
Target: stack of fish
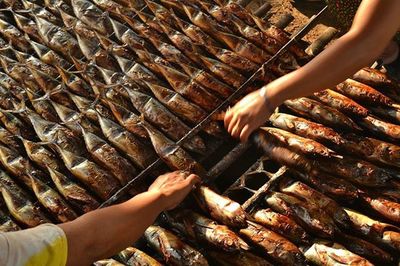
92,92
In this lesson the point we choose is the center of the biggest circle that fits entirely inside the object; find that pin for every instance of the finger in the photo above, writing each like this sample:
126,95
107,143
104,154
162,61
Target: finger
232,123
237,130
194,179
244,135
228,118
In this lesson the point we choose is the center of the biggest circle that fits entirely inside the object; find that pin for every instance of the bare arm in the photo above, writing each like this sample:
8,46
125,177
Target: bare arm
376,22
103,233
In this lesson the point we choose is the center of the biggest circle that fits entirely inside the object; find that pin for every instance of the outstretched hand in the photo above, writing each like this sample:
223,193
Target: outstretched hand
174,187
247,115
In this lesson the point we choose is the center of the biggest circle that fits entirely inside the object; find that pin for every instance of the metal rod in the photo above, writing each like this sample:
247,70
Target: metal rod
227,160
248,205
207,119
263,10
304,30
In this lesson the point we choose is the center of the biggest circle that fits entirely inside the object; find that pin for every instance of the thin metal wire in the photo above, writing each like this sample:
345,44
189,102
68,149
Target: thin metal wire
207,119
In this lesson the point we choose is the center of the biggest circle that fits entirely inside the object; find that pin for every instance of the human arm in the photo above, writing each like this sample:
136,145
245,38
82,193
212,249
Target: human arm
105,232
376,22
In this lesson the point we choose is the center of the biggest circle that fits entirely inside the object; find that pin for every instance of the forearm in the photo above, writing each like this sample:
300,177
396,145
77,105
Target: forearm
340,61
105,232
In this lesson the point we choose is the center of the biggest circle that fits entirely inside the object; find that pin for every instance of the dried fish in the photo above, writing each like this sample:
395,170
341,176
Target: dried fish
200,228
26,25
15,125
137,152
329,256
237,259
268,241
36,63
48,56
42,106
104,154
381,233
88,172
19,205
300,144
41,155
222,209
86,107
56,6
375,78
41,12
156,113
107,262
13,86
52,201
387,208
6,224
185,86
184,108
127,36
224,71
341,103
391,114
310,217
306,128
75,83
363,93
57,38
319,200
76,195
13,35
173,155
92,16
150,20
9,139
321,113
283,225
173,250
134,257
381,128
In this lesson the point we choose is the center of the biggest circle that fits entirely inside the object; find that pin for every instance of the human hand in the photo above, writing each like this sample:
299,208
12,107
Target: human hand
247,115
174,187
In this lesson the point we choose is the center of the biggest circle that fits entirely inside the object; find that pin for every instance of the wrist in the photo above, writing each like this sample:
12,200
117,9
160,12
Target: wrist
270,98
157,199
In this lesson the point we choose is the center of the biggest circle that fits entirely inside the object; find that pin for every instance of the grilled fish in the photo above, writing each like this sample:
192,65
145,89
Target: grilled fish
375,78
329,256
76,195
237,259
205,230
108,262
88,172
92,16
6,224
9,139
41,12
157,114
222,209
319,200
381,233
268,241
283,225
135,257
341,103
184,108
308,216
74,83
26,25
106,155
13,86
306,128
173,155
49,56
381,128
298,143
14,35
137,152
19,204
391,114
386,208
321,113
363,93
90,110
173,250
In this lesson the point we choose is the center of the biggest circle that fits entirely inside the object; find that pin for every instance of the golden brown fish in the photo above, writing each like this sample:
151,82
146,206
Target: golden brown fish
7,224
135,257
381,128
92,16
375,78
14,35
242,258
172,249
13,86
274,245
49,56
388,209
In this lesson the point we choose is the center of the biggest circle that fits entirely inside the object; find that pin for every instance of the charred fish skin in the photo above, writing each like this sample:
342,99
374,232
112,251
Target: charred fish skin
321,113
76,195
174,251
375,78
137,152
173,155
381,128
106,155
220,208
329,256
283,225
268,241
206,230
95,177
386,208
133,257
19,204
309,217
155,112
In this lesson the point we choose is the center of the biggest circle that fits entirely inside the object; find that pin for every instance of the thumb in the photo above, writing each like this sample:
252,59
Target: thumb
193,179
